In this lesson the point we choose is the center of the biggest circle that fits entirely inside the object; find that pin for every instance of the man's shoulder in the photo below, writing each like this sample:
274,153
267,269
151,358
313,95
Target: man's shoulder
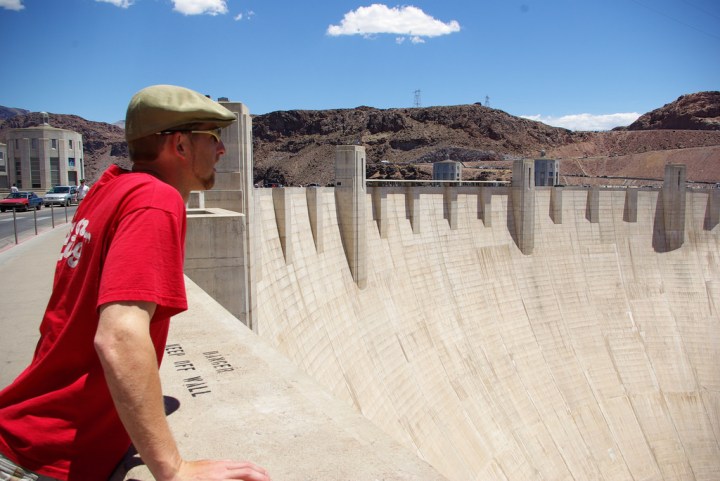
132,190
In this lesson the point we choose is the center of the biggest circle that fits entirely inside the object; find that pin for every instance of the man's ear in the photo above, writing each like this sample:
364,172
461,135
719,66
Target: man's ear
178,144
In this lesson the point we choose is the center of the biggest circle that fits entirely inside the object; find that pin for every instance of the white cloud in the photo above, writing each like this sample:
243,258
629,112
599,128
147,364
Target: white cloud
12,4
587,121
406,20
118,3
247,15
199,7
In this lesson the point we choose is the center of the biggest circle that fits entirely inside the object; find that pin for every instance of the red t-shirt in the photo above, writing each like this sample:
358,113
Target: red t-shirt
126,244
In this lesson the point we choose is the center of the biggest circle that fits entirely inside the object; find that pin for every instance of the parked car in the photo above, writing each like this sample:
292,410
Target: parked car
21,201
61,195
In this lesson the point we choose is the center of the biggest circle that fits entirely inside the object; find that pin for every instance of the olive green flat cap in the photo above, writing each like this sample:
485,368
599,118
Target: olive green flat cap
159,108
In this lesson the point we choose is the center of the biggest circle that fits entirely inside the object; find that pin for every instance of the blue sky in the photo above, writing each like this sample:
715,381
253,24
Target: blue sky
580,64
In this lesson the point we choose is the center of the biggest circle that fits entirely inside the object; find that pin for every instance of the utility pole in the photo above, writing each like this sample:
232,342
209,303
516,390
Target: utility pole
417,102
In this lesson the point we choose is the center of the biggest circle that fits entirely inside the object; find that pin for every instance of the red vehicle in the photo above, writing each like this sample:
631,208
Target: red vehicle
21,201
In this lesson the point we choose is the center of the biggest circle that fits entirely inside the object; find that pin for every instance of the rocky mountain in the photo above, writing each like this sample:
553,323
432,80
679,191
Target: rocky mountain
104,144
297,147
299,143
700,111
9,112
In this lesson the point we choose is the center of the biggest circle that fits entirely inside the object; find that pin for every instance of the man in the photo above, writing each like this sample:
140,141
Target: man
93,384
14,189
82,190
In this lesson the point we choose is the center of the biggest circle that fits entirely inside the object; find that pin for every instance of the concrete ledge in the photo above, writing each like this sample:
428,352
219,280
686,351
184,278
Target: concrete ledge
236,397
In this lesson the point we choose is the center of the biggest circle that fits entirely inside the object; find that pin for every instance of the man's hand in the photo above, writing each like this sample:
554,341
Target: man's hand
207,470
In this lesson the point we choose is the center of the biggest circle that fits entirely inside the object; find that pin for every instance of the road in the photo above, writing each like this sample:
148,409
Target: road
25,222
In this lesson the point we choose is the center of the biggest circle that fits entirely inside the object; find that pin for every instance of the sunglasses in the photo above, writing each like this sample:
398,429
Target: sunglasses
214,132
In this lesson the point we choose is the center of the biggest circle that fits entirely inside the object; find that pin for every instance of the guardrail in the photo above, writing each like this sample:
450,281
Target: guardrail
16,230
436,183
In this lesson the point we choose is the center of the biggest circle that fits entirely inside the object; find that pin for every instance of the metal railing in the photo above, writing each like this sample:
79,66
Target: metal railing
16,229
436,183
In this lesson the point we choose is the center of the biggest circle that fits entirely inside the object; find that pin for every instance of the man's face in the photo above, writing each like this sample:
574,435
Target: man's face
206,153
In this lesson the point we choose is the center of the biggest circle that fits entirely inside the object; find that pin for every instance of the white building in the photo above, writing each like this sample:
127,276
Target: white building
41,157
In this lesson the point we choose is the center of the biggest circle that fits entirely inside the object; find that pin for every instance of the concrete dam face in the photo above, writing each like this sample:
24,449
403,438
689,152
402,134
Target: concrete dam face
595,356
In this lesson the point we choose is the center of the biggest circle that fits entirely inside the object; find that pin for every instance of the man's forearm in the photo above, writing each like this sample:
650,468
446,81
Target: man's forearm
129,361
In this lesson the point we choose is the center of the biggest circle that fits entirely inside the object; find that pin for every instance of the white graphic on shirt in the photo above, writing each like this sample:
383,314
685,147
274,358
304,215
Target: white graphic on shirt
72,247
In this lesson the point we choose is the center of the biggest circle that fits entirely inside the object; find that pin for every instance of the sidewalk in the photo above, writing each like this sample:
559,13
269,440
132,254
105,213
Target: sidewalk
26,271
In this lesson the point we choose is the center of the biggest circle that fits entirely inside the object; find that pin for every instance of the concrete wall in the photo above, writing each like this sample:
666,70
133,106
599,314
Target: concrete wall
215,259
593,357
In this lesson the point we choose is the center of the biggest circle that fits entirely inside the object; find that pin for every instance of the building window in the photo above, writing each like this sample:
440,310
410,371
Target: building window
53,143
17,144
54,171
33,143
71,161
35,172
18,173
70,143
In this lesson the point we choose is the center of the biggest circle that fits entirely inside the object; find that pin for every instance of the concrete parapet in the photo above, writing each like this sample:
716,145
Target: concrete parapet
379,203
350,197
523,204
631,205
592,207
283,220
225,199
215,259
412,208
314,205
450,208
673,204
556,205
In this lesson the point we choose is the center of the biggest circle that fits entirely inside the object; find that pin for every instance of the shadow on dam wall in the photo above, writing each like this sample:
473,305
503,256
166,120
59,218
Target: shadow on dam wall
594,357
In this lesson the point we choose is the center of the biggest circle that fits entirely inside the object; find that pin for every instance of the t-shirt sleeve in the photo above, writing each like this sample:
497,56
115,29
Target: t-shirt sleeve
145,262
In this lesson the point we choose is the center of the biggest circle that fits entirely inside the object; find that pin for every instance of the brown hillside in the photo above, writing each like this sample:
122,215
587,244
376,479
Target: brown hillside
297,147
699,111
104,144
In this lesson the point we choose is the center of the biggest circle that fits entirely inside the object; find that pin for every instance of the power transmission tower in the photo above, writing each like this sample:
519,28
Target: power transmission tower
487,101
417,102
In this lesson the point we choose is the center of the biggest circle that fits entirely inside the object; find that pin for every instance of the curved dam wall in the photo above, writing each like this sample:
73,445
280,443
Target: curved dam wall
597,356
